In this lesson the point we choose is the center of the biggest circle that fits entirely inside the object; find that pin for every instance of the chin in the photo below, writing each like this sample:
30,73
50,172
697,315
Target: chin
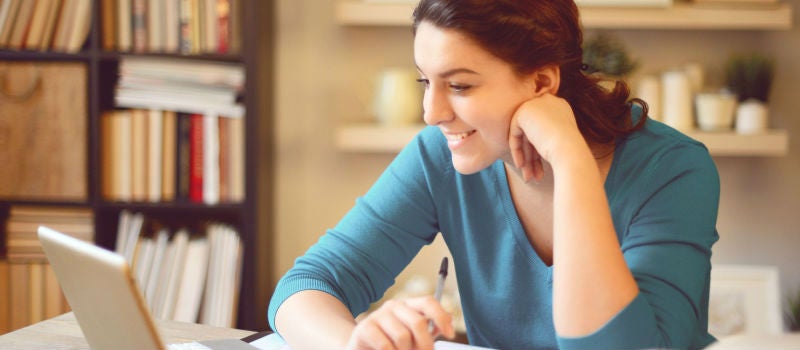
469,167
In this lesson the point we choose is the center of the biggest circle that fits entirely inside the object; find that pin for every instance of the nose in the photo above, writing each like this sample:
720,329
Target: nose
436,106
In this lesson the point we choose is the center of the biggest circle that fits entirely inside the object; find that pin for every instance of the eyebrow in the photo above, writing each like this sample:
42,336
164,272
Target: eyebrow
454,71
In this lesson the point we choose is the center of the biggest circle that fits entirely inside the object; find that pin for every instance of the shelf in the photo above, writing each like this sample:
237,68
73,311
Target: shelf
377,139
678,16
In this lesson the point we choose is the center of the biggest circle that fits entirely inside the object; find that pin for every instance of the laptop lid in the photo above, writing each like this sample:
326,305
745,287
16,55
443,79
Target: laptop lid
102,293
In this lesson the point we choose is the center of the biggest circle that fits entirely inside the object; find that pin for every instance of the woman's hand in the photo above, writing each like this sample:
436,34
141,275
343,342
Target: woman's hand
542,129
402,325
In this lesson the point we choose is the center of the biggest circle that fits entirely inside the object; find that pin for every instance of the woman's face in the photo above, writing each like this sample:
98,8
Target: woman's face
470,95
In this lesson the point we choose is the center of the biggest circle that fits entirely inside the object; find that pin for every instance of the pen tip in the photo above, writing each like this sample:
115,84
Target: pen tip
443,268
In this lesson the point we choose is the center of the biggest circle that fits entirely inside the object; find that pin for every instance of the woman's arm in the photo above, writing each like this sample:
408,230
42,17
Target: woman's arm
313,319
590,276
397,324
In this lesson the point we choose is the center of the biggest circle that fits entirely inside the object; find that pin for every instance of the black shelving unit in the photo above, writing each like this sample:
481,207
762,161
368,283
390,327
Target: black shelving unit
252,218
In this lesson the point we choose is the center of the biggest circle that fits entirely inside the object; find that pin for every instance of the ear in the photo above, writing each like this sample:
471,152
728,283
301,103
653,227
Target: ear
546,80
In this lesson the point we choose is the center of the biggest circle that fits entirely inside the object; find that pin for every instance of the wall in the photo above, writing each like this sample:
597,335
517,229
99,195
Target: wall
324,79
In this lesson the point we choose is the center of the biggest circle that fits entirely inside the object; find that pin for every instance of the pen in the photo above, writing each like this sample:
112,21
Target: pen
439,286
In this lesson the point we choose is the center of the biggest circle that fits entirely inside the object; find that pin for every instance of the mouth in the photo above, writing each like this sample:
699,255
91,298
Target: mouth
455,137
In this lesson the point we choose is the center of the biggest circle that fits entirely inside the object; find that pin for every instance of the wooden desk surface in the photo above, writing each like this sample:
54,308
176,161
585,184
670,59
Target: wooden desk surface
63,333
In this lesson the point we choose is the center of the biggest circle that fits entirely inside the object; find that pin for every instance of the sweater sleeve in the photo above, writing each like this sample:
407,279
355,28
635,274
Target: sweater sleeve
666,241
358,260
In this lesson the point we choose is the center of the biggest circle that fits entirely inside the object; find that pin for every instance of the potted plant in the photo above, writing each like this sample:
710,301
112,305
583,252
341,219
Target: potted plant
605,55
793,311
749,77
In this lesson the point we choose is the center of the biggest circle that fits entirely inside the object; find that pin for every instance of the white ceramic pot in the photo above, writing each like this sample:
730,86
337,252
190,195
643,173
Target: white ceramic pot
715,111
751,117
398,99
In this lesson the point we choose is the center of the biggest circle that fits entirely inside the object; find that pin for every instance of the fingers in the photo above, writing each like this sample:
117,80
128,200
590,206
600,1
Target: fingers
524,154
402,325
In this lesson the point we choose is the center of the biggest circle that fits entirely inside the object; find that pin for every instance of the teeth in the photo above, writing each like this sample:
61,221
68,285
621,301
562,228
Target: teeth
458,137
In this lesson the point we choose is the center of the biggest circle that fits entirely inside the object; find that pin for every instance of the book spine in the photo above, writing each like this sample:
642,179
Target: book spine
196,159
183,156
139,25
223,25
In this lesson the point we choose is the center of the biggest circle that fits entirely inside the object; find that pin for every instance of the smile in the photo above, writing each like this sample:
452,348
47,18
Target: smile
458,137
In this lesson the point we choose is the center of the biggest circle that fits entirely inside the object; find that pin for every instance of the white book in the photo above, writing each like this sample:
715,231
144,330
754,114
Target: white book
160,294
174,273
199,107
122,232
162,239
210,159
154,145
190,292
134,231
144,261
121,151
209,308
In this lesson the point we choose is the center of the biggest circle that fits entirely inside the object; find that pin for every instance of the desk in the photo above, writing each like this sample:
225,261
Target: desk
63,333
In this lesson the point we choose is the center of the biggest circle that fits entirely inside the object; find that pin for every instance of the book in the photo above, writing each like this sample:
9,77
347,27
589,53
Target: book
138,155
236,156
155,25
139,25
172,26
124,31
210,177
66,23
57,116
196,157
190,290
8,15
210,26
168,156
183,161
117,155
36,32
50,25
223,24
174,273
22,24
108,24
155,149
153,282
80,27
185,43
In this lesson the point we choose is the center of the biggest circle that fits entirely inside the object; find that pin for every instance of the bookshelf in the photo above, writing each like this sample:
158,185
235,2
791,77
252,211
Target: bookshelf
252,217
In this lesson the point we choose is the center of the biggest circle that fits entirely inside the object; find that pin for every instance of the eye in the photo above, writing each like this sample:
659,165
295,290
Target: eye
424,82
459,87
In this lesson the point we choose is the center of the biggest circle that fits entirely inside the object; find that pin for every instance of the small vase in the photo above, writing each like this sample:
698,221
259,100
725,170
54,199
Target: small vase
751,117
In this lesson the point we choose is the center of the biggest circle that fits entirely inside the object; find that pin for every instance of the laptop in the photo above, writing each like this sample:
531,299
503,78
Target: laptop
102,292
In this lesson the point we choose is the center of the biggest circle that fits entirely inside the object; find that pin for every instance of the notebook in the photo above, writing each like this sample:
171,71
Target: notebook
102,292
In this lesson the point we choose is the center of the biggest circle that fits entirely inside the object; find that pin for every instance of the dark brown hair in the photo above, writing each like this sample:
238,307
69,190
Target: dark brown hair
531,34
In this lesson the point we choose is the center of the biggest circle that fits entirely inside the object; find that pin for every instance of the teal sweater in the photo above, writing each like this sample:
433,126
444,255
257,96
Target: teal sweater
663,191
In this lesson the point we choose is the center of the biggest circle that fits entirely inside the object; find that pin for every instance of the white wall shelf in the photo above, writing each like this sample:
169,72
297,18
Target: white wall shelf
678,16
370,138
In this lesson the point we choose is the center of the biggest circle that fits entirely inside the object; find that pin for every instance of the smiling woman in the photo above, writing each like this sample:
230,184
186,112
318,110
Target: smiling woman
574,220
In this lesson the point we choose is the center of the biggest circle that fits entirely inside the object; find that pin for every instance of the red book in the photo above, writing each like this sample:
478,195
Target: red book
196,158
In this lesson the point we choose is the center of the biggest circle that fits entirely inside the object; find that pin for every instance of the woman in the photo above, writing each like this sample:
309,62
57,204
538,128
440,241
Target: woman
574,221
